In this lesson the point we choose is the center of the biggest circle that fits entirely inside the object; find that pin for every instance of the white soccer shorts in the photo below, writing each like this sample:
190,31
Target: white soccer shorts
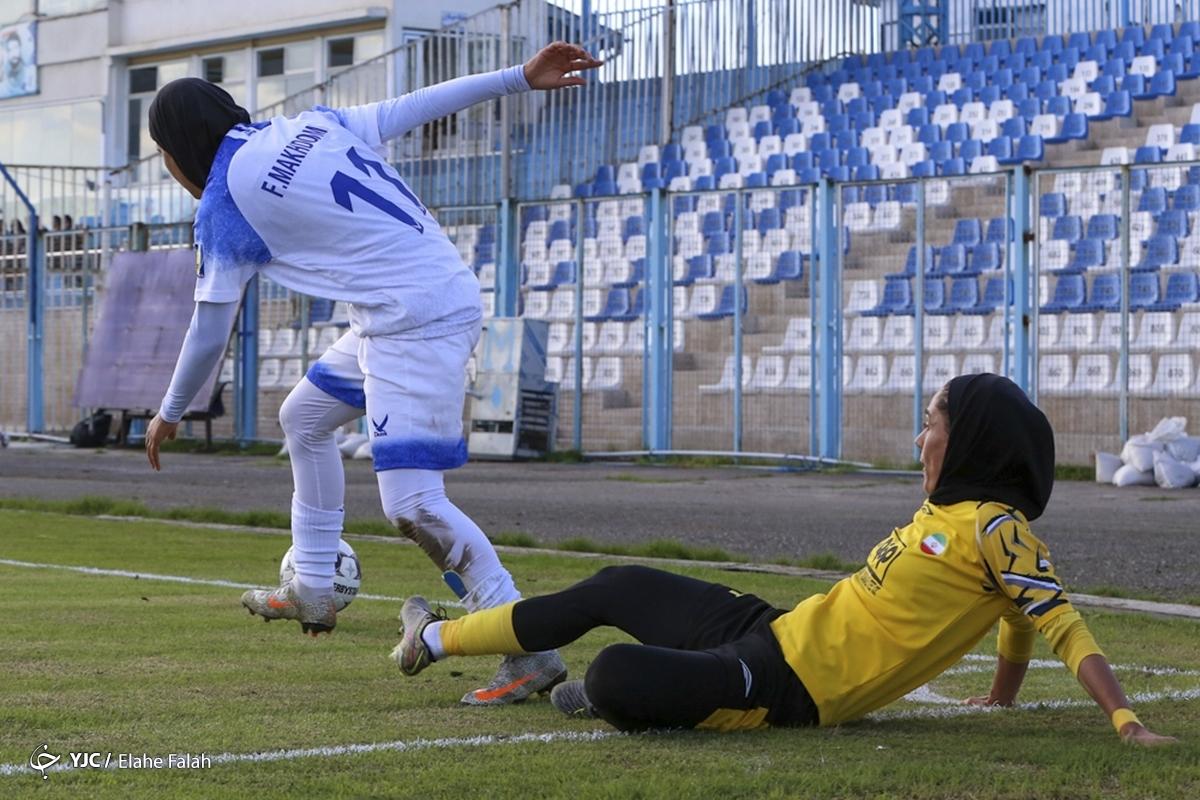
413,391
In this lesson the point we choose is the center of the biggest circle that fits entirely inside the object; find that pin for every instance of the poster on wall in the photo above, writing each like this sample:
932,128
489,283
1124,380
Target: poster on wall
19,44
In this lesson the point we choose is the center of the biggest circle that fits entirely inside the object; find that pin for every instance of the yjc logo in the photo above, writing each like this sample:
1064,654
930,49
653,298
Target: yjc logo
41,760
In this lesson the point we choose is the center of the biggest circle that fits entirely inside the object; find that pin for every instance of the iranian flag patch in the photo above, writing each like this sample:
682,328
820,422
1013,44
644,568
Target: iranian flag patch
934,544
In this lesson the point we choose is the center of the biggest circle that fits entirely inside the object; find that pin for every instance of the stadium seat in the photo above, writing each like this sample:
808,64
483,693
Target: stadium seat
1105,295
897,299
1069,294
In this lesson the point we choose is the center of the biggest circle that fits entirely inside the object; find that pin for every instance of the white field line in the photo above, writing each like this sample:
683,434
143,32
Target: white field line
334,751
945,707
150,576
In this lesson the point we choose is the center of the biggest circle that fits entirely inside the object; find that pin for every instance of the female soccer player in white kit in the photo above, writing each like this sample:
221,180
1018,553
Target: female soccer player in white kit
311,203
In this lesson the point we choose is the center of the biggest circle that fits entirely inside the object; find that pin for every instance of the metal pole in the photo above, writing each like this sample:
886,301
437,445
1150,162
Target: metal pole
577,397
34,414
508,265
1123,358
830,383
1020,215
814,415
919,341
1035,342
666,121
737,324
247,365
658,345
506,112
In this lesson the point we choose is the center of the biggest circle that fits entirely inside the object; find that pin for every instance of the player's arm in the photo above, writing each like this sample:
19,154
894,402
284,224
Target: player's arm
1018,565
550,68
202,349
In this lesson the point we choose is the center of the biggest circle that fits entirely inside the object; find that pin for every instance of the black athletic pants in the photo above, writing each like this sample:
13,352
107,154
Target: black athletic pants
704,648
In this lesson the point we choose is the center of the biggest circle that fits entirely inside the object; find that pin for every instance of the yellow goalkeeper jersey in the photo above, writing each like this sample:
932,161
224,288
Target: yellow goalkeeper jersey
928,593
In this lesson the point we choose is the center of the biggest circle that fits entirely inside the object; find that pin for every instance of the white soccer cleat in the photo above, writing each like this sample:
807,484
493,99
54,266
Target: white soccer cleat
519,678
316,616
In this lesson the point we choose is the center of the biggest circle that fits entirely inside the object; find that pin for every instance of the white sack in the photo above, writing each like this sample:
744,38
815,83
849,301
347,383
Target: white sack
1106,466
1170,474
1129,476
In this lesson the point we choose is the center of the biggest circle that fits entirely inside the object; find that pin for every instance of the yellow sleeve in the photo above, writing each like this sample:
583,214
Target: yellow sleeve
1068,634
1018,565
1015,642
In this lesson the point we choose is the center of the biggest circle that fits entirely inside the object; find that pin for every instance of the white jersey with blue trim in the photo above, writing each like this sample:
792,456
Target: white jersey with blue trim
308,202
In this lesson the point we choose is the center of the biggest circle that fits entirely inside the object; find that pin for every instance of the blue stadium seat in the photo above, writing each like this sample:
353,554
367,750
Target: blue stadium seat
718,244
808,175
698,268
1031,75
1191,29
1161,85
674,169
970,150
1154,200
826,159
1053,204
1002,78
1105,296
776,162
935,296
618,306
958,132
858,157
952,260
1117,104
1136,85
637,273
803,160
1104,85
1162,31
964,296
651,177
1046,90
1153,47
1013,128
999,230
1074,126
844,140
1069,294
1173,223
721,149
1181,45
1190,134
756,180
923,169
1069,228
713,222
769,219
1030,148
559,229
763,128
704,183
897,299
724,166
1107,38
990,94
993,297
1103,227
819,141
917,117
954,166
714,133
910,261
1080,41
1182,287
788,267
1161,251
967,232
1088,253
962,96
1001,148
1143,290
940,151
1187,198
1134,34
1029,108
986,256
725,306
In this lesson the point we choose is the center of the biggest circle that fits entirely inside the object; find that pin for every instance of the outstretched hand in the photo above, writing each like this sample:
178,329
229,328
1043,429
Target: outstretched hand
158,431
549,68
1135,733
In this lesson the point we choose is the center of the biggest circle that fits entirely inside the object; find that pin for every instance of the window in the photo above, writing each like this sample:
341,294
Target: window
341,52
68,135
144,82
283,72
270,62
213,69
1009,22
57,8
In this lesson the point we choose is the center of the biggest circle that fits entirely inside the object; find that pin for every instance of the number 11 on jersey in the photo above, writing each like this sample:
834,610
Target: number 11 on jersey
343,186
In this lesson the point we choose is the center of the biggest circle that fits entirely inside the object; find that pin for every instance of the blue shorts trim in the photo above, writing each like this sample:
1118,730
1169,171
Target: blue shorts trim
348,391
438,454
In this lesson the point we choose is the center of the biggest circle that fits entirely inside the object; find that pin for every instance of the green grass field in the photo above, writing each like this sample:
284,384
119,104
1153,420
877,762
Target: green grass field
107,663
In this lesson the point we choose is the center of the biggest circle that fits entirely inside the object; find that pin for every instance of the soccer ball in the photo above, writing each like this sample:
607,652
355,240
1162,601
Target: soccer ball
347,574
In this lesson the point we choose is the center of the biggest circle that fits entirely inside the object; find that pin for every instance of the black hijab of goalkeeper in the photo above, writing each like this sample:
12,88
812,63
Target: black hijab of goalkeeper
1001,447
188,119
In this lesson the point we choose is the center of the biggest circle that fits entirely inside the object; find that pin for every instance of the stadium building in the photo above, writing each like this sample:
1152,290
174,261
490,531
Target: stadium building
763,242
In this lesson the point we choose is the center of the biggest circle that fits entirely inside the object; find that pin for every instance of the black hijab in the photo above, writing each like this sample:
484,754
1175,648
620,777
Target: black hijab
1001,447
188,119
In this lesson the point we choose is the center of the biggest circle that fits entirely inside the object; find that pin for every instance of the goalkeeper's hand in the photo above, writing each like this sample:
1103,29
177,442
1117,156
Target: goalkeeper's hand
159,431
550,66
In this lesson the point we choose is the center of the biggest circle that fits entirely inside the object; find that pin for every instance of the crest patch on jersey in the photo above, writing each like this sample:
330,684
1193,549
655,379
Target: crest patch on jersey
934,544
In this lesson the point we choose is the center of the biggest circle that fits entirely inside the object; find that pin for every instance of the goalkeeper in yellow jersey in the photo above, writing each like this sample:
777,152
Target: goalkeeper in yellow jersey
712,657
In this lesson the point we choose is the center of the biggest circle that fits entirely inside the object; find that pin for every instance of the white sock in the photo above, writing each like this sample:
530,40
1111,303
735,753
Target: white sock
432,637
315,536
494,589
